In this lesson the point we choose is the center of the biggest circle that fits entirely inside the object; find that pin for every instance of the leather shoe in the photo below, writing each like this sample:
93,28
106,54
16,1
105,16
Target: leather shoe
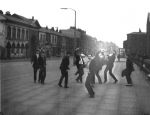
66,87
59,85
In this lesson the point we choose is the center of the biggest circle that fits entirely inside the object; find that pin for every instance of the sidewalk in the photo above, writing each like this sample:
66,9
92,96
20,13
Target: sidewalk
143,68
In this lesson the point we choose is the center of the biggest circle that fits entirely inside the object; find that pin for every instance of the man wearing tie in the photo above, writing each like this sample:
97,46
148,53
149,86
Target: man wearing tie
35,64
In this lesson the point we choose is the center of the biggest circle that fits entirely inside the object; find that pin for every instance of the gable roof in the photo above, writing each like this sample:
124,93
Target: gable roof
46,30
2,17
20,19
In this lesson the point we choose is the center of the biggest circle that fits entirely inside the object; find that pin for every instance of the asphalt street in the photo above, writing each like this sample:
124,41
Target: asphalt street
21,96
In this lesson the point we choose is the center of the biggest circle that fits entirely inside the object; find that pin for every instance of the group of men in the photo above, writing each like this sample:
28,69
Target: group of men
38,62
95,65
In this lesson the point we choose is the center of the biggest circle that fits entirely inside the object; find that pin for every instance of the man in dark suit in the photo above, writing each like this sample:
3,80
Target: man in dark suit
89,79
127,72
80,69
64,67
77,59
35,64
42,66
109,68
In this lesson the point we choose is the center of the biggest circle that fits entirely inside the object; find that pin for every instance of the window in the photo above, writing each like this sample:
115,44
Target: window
51,38
22,34
27,37
18,33
8,32
14,32
41,37
55,39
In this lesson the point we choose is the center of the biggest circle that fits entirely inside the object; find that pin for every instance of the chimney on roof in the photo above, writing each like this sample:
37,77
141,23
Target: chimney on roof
140,30
32,17
46,27
8,13
1,12
52,29
56,29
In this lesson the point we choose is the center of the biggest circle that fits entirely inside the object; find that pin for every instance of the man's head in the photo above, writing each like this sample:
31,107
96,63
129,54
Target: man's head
67,54
42,54
37,51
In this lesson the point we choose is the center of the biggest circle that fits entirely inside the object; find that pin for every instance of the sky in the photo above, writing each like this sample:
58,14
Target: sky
107,20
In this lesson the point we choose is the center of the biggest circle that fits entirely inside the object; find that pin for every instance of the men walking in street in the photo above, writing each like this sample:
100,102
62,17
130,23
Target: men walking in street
35,64
64,67
77,59
89,79
81,68
109,67
97,67
42,66
127,72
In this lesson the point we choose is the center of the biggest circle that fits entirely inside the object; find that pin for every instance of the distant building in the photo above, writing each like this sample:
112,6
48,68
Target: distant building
148,36
135,42
2,36
78,38
52,41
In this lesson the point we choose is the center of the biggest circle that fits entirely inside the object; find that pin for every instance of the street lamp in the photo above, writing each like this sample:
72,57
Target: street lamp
74,24
74,14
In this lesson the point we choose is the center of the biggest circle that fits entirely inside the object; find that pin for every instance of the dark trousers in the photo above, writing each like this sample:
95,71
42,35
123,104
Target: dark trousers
78,67
64,74
81,72
128,77
88,83
42,74
110,72
98,77
35,69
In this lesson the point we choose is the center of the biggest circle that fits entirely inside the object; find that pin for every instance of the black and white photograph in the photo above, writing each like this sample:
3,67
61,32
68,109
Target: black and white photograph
75,57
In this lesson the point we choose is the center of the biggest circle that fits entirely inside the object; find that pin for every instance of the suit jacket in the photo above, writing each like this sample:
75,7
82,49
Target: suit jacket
35,61
42,61
77,57
129,65
65,63
111,60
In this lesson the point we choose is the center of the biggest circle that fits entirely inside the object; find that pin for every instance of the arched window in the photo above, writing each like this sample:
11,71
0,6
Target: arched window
8,46
26,46
18,47
22,47
13,48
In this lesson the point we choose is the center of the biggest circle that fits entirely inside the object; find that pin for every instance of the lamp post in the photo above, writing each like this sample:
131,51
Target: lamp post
74,14
74,25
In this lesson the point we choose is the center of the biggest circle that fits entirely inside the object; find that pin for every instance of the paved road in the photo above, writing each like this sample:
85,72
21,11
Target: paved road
20,96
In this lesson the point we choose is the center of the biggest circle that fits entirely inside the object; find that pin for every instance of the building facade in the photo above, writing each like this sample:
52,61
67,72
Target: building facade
148,36
53,42
78,38
21,36
2,36
135,43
